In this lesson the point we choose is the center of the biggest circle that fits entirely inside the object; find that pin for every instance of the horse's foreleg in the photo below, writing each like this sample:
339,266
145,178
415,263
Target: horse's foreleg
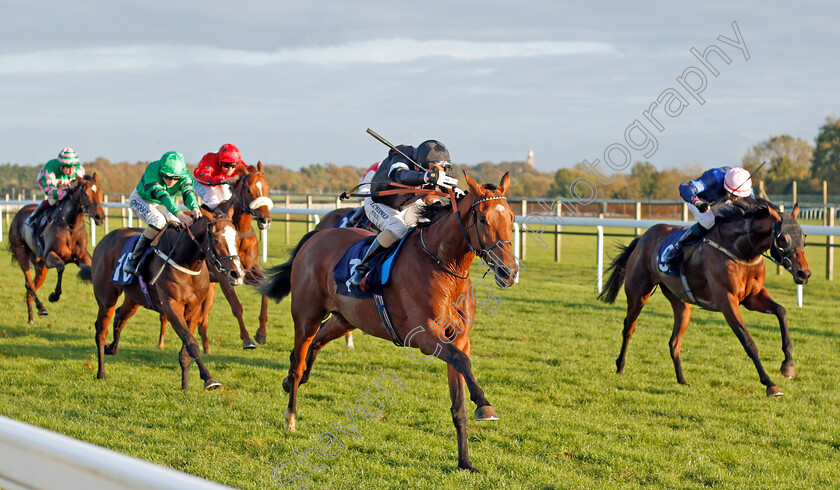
305,330
762,302
204,318
30,295
260,335
333,328
175,314
123,313
236,309
736,322
54,261
430,345
682,316
459,417
348,340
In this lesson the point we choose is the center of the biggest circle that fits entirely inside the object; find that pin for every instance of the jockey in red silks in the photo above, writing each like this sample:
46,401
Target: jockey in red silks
212,174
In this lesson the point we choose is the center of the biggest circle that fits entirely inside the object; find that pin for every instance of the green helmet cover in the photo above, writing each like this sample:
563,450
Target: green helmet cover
173,164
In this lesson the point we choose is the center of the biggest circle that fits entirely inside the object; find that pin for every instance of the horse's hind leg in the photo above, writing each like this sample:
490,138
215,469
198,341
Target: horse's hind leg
682,316
31,286
123,313
333,328
638,287
736,322
204,318
761,301
163,322
348,340
107,305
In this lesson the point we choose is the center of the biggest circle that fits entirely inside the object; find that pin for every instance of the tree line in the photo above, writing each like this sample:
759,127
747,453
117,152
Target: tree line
787,158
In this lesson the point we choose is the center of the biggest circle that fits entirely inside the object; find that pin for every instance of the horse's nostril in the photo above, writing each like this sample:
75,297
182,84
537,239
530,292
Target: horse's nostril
234,275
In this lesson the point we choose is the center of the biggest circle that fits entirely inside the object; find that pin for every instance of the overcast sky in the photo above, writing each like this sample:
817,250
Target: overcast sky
297,83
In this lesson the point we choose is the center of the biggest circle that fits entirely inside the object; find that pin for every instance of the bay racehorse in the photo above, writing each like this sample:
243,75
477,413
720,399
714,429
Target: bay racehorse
723,271
180,290
250,201
427,294
64,238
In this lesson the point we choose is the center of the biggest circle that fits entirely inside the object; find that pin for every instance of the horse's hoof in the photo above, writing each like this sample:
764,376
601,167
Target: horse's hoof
486,413
54,297
286,386
788,371
350,344
774,391
468,467
248,344
290,420
260,339
110,350
101,376
160,346
211,384
42,312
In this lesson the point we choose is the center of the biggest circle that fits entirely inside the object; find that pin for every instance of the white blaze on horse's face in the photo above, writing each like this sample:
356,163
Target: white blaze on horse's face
259,186
93,187
229,235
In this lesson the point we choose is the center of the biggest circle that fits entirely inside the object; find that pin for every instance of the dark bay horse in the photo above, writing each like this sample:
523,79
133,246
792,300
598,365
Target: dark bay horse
250,201
430,282
64,237
724,270
180,290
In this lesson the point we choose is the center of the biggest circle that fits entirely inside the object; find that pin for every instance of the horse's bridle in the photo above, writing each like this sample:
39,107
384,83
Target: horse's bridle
481,252
780,245
257,202
210,253
79,188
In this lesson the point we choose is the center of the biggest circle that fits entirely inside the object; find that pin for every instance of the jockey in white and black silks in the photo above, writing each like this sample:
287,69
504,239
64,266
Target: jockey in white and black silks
714,185
395,213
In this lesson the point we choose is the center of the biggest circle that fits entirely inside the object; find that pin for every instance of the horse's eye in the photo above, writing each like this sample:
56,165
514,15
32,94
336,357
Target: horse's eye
482,219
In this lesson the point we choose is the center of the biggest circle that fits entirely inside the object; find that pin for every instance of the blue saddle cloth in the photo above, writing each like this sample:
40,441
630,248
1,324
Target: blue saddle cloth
380,268
120,277
672,268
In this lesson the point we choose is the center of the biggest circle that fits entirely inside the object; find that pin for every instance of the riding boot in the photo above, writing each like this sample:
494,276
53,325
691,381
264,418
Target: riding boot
694,232
33,218
130,266
362,269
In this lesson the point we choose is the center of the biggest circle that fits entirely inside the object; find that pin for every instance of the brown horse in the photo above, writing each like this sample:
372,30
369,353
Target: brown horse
64,238
180,290
724,270
250,201
430,282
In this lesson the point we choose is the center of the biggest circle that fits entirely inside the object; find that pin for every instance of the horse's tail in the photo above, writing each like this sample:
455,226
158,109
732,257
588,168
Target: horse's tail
618,268
85,273
277,283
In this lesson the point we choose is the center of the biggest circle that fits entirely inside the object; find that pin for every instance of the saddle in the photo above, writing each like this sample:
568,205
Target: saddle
673,267
356,219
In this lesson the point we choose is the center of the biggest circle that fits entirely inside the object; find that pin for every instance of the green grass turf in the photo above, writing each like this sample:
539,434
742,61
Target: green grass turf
545,359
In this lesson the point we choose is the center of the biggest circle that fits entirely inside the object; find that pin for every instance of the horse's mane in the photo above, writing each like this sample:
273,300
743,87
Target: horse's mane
429,213
744,208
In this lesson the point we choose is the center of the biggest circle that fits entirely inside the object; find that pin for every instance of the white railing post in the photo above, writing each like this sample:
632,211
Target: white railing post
2,208
92,231
264,239
600,258
516,240
799,294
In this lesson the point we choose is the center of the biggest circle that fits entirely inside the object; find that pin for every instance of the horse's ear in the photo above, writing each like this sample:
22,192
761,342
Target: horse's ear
94,177
504,183
795,212
259,166
471,183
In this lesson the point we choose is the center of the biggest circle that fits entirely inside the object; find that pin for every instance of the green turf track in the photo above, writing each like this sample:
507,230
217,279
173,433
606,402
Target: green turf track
545,359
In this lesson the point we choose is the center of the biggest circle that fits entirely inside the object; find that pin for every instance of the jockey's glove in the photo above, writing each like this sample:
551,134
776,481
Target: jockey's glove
185,219
440,179
459,193
196,214
701,205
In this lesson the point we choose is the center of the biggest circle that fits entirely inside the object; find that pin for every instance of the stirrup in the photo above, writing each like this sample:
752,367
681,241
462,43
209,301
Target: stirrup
361,272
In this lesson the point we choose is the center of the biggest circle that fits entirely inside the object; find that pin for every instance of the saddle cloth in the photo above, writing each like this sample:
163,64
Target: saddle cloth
120,277
380,268
361,222
672,268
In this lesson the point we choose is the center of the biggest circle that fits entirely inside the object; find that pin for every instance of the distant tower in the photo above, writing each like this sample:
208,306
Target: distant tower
530,161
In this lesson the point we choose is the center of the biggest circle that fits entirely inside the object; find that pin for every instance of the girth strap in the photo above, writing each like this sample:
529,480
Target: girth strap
386,319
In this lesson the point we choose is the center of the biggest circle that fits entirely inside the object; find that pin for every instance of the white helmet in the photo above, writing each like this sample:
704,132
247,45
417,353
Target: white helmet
737,181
